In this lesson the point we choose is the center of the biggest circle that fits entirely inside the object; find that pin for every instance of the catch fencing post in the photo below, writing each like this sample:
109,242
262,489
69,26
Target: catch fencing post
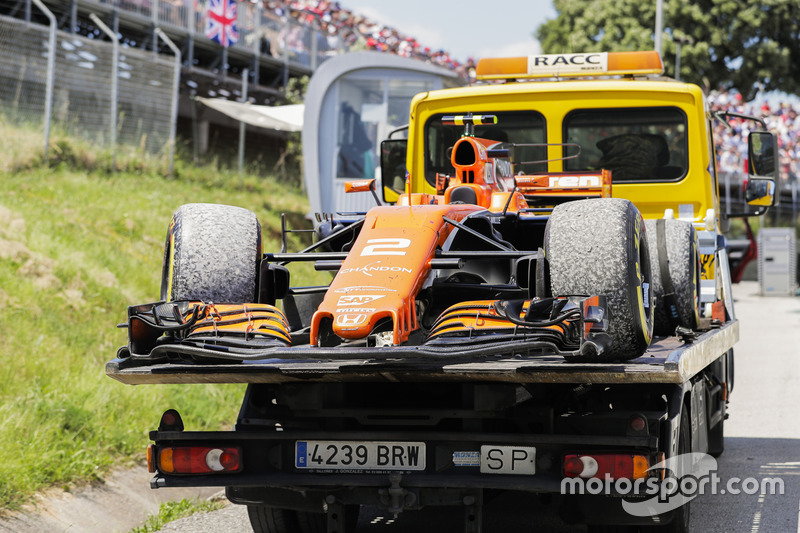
176,80
114,84
51,67
245,74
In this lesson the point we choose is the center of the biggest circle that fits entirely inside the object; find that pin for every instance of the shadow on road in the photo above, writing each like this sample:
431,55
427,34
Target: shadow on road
753,464
747,466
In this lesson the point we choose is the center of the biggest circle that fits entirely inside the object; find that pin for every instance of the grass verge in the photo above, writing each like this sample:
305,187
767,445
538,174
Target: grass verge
78,244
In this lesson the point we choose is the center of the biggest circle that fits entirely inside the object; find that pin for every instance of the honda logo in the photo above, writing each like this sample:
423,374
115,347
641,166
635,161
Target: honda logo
350,320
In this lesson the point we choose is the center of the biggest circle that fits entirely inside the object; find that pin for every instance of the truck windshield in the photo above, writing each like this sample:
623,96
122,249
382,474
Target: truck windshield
518,127
647,144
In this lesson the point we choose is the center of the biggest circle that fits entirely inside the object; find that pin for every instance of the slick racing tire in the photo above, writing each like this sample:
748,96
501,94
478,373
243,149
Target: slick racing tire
212,254
599,247
683,261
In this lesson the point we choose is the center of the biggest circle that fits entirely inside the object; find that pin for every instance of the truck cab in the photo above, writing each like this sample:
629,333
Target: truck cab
571,113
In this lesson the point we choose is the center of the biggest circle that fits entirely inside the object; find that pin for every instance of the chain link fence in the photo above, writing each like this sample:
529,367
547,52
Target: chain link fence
82,105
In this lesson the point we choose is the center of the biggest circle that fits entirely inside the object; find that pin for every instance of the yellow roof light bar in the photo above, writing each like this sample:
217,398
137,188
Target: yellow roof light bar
570,65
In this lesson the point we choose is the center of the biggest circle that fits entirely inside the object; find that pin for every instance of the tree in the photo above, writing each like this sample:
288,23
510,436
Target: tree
734,43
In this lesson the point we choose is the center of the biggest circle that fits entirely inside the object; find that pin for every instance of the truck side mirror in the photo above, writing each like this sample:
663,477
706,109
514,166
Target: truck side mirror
762,154
393,168
760,192
762,158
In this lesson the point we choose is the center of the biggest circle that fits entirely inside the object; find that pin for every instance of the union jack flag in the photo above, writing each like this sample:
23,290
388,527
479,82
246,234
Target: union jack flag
221,26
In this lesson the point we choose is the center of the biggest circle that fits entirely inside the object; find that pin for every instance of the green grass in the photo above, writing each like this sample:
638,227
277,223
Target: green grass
170,511
78,244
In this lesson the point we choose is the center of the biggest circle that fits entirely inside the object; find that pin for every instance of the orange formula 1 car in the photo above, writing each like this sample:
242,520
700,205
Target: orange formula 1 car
464,273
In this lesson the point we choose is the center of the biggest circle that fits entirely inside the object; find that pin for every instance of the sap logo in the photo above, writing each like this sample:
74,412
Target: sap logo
566,182
350,321
357,300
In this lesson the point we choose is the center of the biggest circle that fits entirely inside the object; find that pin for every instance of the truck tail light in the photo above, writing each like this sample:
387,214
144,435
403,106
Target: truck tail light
198,459
615,465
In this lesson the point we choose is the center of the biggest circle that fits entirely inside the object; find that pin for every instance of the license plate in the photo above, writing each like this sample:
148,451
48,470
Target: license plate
508,460
346,455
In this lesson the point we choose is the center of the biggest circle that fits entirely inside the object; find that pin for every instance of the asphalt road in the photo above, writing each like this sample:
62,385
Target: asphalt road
762,441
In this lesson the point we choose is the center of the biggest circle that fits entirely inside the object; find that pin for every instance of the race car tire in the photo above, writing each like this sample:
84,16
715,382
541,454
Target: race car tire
212,253
684,271
599,247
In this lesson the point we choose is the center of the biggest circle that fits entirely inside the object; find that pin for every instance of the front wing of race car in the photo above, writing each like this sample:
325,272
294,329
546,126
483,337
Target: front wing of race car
201,332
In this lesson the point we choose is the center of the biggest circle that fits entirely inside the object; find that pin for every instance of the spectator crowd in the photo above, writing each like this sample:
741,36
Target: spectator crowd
350,31
338,29
731,142
343,29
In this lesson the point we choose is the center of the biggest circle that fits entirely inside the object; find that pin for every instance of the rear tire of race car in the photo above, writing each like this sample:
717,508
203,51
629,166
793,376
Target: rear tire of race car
211,254
684,271
599,247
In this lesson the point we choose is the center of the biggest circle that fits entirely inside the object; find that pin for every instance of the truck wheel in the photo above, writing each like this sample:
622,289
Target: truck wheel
599,247
716,439
275,520
681,515
683,262
716,434
211,254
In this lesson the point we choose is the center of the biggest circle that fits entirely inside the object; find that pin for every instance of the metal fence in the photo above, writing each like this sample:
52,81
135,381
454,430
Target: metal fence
82,104
260,30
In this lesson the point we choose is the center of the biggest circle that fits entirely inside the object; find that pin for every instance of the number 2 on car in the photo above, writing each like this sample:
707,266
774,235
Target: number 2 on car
386,247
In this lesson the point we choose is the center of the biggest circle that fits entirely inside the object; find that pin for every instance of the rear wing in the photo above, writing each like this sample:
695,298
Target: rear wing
563,186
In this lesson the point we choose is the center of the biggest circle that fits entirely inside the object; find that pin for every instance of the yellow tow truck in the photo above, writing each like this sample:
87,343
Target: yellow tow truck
545,309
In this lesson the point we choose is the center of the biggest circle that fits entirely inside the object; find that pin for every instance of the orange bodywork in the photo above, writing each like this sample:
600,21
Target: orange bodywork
385,270
475,317
243,319
199,319
359,186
